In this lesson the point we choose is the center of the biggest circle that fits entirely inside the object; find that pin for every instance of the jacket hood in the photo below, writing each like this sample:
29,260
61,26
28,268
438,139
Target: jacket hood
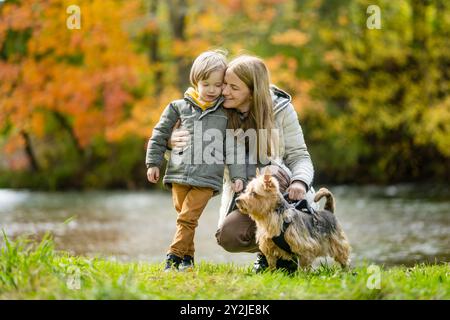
280,98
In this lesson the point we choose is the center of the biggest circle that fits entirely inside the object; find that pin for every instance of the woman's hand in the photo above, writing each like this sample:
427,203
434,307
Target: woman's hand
179,138
238,185
297,190
153,174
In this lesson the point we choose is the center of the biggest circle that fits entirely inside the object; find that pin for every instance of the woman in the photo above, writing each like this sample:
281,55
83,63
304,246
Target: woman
254,104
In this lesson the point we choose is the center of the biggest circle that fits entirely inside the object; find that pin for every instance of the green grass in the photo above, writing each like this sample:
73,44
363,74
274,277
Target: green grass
30,270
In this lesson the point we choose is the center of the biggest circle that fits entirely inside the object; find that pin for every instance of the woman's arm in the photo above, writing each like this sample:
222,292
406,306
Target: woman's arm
178,138
296,156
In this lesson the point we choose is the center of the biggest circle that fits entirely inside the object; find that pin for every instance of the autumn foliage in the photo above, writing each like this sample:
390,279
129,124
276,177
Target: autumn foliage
77,105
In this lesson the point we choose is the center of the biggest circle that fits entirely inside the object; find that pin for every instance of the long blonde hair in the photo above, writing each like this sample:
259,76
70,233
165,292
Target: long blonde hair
253,72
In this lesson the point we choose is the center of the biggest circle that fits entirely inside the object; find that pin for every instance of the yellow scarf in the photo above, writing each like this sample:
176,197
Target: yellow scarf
191,92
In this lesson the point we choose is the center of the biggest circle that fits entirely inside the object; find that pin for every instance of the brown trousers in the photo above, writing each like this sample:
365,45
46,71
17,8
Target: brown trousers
189,202
237,233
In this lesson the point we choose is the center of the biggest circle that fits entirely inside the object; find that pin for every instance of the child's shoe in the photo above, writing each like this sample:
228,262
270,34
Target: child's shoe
172,262
187,264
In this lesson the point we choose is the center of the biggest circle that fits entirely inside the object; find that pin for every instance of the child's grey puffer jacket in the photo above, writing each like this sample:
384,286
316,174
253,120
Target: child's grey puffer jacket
193,166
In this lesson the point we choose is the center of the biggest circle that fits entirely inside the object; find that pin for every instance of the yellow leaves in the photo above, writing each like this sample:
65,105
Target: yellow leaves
334,58
283,72
144,116
233,5
343,20
189,48
435,127
303,101
207,21
291,37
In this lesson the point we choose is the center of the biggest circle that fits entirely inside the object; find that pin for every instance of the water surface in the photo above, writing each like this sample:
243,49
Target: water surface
393,225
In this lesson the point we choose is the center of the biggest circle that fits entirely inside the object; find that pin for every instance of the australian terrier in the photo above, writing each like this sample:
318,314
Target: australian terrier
308,235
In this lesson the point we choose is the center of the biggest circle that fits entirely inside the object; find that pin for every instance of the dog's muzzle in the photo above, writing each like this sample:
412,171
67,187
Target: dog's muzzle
240,204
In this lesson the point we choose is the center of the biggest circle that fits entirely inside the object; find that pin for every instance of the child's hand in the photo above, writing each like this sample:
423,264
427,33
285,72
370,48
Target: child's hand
153,174
238,185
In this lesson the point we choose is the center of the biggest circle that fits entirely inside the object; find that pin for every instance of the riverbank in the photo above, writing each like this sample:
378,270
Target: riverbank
37,271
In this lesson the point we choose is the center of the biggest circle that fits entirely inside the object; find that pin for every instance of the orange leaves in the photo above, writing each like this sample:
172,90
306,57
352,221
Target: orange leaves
291,37
256,10
85,75
88,125
115,99
335,59
283,71
9,73
18,17
189,48
38,124
14,143
33,74
144,115
233,5
208,22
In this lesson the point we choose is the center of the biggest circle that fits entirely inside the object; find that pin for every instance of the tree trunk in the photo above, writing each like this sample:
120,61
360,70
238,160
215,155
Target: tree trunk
178,11
420,47
29,151
154,56
68,128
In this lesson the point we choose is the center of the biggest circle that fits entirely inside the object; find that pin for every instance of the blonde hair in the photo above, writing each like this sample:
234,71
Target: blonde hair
205,63
254,73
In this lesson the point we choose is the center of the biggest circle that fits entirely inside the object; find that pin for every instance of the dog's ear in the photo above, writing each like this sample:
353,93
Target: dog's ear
257,172
268,179
267,171
268,184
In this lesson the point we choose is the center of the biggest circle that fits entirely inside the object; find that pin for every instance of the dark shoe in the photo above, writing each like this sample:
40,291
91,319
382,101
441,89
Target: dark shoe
289,266
172,262
187,263
260,264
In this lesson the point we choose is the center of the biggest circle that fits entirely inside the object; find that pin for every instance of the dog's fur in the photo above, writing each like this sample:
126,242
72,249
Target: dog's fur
309,236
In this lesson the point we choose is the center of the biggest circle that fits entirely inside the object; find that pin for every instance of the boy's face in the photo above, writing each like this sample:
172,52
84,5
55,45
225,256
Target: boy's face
210,89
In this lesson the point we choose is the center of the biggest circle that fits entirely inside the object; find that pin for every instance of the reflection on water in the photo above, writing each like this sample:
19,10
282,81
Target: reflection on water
392,225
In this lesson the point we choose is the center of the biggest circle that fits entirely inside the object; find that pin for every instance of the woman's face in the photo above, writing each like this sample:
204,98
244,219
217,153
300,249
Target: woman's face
236,93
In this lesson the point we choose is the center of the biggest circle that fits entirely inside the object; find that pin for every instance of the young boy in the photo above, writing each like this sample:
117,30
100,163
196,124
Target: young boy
193,183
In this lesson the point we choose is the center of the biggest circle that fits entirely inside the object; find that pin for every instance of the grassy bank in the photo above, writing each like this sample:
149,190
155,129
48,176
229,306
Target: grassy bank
37,271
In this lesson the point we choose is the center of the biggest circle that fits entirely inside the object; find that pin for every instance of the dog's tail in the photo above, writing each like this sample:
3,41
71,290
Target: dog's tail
330,203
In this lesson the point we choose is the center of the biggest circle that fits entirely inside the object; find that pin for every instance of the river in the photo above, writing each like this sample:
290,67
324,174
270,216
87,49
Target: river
394,225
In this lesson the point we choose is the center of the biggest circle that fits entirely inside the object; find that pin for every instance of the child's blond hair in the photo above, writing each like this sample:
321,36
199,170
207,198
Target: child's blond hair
206,63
